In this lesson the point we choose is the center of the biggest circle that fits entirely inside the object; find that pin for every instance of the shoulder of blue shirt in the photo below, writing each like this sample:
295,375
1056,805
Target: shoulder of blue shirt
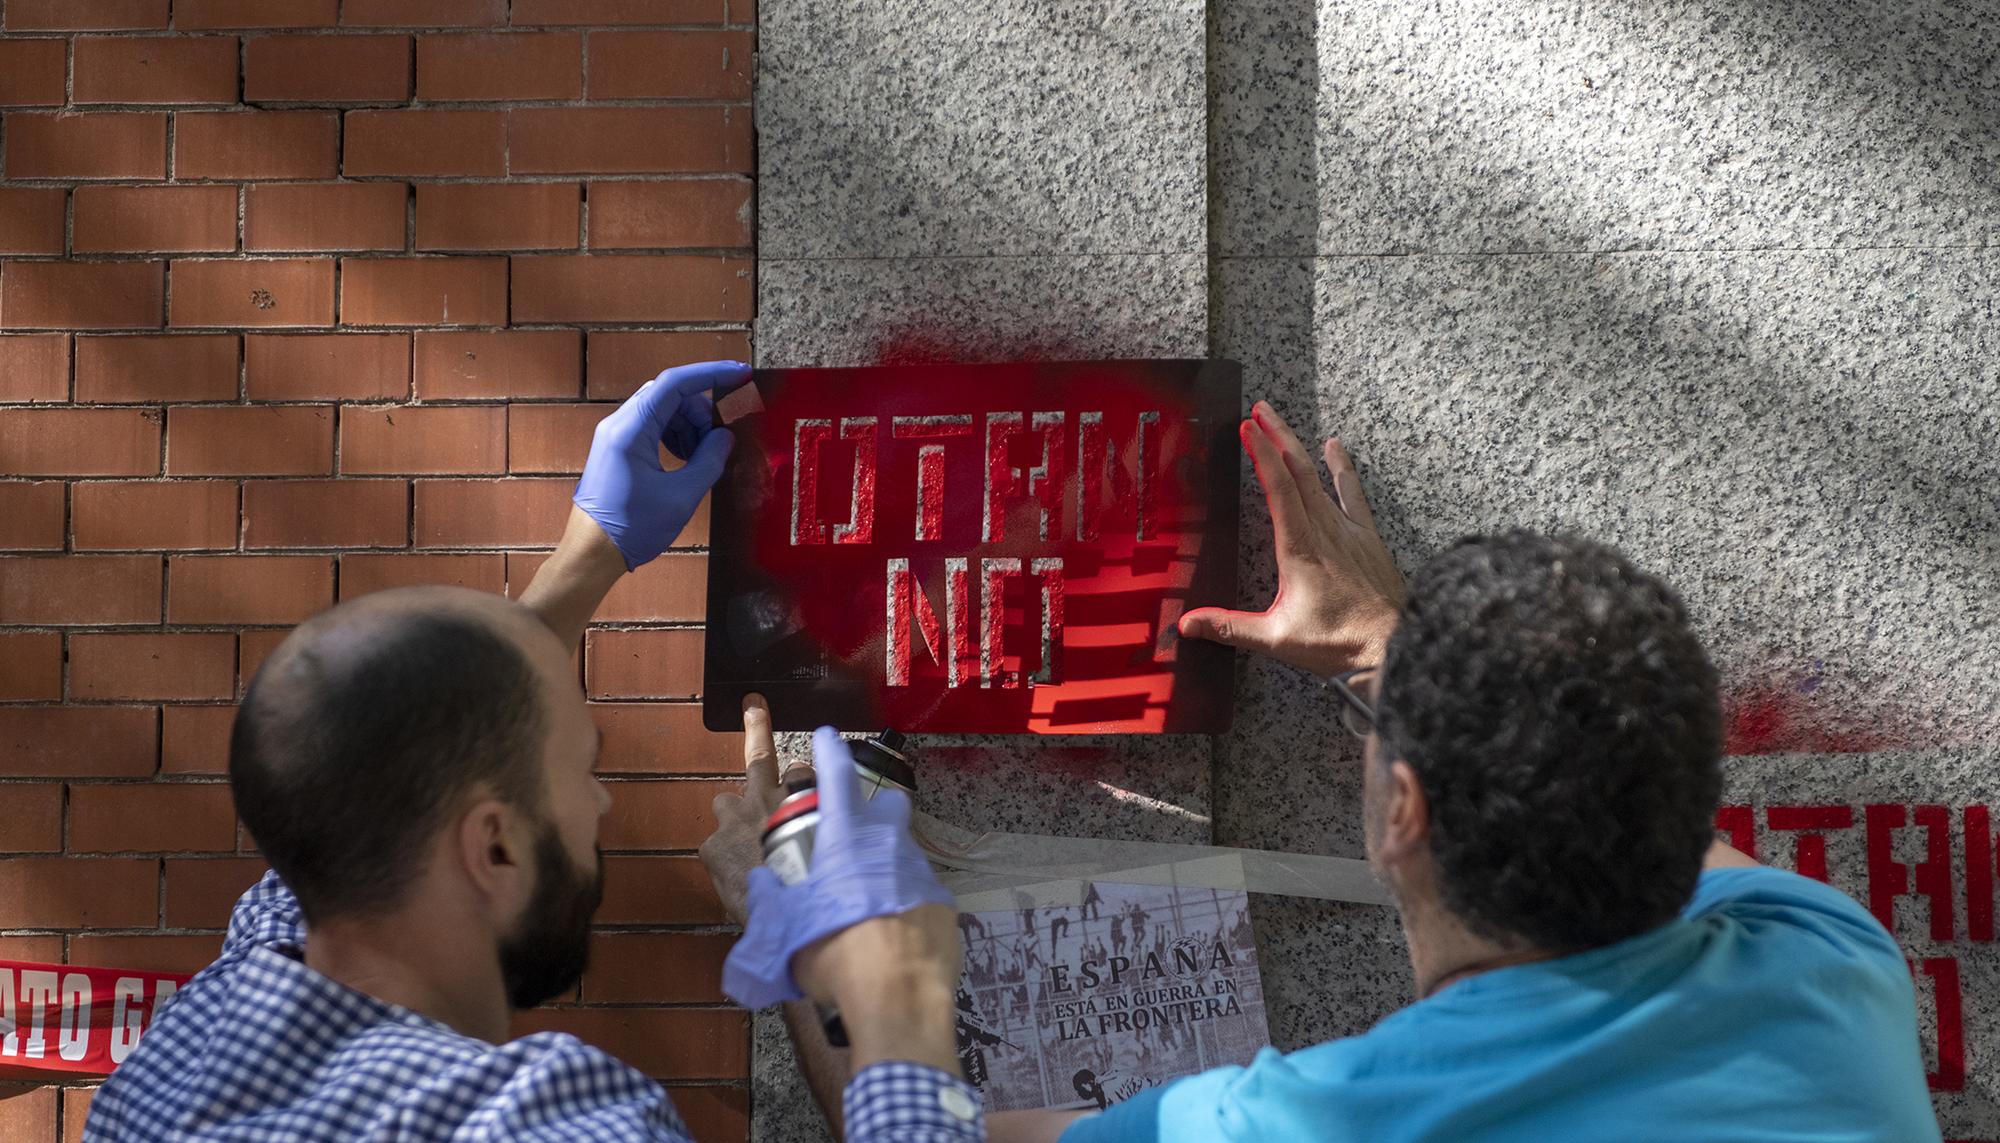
1761,894
1754,893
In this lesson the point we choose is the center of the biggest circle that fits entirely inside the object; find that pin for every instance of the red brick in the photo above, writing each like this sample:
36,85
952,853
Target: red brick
79,442
652,890
742,11
423,291
670,65
78,741
31,218
93,145
671,813
151,369
327,69
175,817
671,589
325,216
361,574
416,439
34,367
643,664
31,665
256,144
195,739
679,1043
326,514
148,665
153,514
503,65
267,292
498,216
31,515
663,738
551,438
43,949
78,892
474,365
154,219
445,144
201,891
76,1108
252,292
191,14
153,69
713,1113
251,651
32,73
622,140
94,15
81,295
701,213
695,535
345,366
656,968
631,287
247,589
249,440
425,14
528,12
93,590
145,952
520,513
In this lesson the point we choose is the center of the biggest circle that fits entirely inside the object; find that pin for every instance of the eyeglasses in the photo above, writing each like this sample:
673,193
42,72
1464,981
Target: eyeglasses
1356,689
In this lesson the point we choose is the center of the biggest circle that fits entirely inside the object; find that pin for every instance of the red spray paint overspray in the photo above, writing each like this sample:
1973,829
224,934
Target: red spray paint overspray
1782,720
979,547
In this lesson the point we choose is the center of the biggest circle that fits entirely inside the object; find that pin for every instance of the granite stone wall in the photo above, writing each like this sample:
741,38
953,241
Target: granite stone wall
1710,281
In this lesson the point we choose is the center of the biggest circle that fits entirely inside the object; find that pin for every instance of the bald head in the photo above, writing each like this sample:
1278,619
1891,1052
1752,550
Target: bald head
373,721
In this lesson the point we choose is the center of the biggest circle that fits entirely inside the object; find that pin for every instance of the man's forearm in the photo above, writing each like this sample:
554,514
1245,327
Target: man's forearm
569,587
825,1067
902,1017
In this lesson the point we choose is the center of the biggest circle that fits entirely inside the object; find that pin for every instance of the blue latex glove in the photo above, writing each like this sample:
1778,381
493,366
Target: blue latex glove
865,864
639,504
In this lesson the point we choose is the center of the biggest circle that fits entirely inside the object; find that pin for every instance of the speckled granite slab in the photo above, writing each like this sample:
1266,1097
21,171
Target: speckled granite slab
921,128
1462,125
1001,180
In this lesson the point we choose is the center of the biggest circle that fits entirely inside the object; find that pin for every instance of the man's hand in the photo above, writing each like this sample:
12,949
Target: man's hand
737,844
1338,588
628,507
735,848
865,864
626,489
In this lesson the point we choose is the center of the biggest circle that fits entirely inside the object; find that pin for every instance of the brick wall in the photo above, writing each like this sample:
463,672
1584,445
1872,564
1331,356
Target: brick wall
301,299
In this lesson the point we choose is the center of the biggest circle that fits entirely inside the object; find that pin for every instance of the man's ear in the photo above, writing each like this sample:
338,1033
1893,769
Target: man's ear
490,845
1406,827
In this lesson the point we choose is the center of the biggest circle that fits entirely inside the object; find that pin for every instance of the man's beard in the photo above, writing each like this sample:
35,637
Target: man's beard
545,956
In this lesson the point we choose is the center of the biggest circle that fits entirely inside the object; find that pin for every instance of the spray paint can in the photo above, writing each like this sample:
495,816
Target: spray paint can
883,761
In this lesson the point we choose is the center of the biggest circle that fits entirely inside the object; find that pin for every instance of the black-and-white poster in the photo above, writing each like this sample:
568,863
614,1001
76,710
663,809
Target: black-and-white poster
1080,994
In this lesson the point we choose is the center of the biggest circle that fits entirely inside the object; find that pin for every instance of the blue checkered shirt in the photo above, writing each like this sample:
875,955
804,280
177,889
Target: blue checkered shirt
260,1047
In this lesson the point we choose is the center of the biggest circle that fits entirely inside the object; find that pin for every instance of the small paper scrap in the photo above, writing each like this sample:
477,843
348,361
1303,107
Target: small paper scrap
738,403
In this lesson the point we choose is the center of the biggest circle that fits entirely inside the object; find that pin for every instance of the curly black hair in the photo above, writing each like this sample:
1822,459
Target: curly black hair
1564,723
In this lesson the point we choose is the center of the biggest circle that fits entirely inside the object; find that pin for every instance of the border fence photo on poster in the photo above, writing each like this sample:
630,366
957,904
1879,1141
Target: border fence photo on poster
1084,993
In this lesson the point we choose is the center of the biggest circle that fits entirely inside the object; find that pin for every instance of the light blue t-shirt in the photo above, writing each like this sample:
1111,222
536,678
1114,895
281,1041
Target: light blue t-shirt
1776,1008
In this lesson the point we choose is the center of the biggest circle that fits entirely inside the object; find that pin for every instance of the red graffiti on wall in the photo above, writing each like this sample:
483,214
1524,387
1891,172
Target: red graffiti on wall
1907,875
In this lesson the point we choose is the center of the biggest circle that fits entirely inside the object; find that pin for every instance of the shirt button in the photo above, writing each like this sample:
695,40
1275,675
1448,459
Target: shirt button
957,1104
